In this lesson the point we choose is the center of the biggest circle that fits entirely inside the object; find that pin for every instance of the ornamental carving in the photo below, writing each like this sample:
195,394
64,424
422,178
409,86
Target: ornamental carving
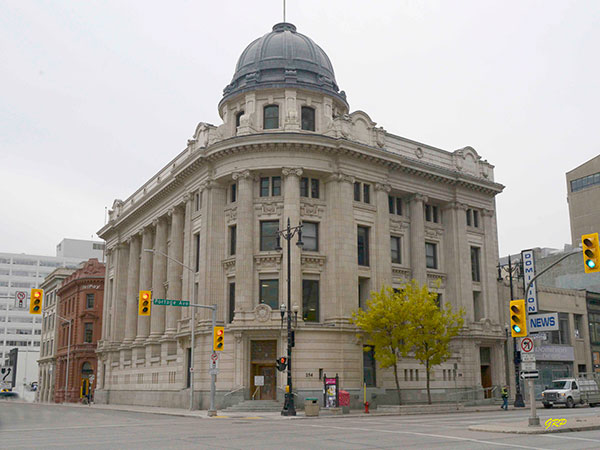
268,208
398,224
434,232
229,265
272,261
286,171
262,312
241,175
383,187
419,152
231,214
435,280
313,262
307,209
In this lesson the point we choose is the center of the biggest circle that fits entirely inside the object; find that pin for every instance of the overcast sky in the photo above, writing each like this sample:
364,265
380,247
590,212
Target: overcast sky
97,96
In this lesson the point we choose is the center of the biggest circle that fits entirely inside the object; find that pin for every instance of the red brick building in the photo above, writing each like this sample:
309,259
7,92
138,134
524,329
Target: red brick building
80,302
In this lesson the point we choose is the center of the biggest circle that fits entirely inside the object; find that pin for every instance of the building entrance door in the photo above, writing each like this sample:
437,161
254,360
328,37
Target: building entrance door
263,375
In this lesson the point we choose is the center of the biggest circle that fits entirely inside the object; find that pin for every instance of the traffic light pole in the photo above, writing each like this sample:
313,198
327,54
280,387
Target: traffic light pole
213,378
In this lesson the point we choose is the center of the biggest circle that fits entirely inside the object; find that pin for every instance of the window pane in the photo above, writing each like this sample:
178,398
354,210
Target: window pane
271,118
238,116
475,256
231,301
363,246
276,181
366,193
428,213
88,332
268,234
310,236
264,187
391,204
233,192
468,212
308,118
395,244
89,301
232,239
431,255
476,219
398,206
310,300
303,187
269,293
357,191
314,188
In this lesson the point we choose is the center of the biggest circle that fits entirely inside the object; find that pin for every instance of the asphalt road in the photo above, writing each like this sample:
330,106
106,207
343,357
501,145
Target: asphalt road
39,426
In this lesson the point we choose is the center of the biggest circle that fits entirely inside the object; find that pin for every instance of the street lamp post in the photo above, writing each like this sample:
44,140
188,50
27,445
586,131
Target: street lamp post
70,321
288,233
213,379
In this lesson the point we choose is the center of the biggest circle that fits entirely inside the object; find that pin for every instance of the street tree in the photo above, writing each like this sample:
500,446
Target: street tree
381,325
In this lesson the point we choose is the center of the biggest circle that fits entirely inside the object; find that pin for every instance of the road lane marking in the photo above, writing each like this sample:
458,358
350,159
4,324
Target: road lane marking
79,427
553,435
441,436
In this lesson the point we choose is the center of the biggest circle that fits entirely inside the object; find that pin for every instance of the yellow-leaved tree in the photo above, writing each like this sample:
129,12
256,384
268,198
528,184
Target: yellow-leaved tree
408,320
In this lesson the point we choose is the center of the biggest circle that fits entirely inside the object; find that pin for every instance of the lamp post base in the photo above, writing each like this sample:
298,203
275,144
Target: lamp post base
519,403
211,413
288,407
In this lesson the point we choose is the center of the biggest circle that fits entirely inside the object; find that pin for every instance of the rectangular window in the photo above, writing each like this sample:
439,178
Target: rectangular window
478,313
89,301
264,187
578,326
363,245
310,236
314,188
391,204
271,117
231,301
398,206
303,187
438,300
475,257
356,191
370,367
366,193
364,285
269,293
432,214
197,251
476,218
395,205
310,300
233,193
196,201
276,186
431,261
395,245
308,118
232,239
88,333
268,235
469,214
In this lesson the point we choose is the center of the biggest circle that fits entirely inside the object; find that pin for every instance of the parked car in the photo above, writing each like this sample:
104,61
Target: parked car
570,391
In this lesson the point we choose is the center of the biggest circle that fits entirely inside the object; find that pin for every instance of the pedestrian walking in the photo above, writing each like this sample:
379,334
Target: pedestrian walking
505,398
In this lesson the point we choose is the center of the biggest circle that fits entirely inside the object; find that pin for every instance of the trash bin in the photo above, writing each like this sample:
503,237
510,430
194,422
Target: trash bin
311,407
345,401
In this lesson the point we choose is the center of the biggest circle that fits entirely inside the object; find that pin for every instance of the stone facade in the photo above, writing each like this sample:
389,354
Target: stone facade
583,195
80,302
347,173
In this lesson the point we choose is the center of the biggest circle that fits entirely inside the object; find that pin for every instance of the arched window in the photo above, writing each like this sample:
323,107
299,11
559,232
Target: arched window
271,117
86,369
308,118
238,116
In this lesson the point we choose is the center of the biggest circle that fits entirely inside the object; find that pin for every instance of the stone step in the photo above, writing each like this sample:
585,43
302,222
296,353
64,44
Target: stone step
256,405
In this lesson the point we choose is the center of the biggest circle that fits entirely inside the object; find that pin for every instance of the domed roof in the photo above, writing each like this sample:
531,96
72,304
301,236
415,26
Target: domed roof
283,58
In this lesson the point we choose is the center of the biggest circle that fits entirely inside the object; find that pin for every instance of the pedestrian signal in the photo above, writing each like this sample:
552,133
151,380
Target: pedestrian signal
591,253
35,301
518,318
218,338
144,303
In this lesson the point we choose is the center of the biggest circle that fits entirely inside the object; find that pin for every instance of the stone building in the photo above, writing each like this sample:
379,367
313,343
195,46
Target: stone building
376,209
50,323
583,195
80,302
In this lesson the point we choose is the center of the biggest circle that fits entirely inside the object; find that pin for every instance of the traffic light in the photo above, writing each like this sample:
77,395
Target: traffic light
218,338
591,253
35,301
281,363
144,303
518,319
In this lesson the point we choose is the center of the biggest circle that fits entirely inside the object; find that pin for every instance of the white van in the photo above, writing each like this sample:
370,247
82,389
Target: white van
569,392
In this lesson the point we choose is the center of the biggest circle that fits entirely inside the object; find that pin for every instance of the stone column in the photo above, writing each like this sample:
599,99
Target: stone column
120,298
291,210
108,297
175,270
489,260
244,251
133,278
417,238
187,280
159,276
458,269
382,273
340,278
143,322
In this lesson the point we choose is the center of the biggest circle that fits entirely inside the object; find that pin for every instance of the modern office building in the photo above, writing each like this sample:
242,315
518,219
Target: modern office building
376,208
583,195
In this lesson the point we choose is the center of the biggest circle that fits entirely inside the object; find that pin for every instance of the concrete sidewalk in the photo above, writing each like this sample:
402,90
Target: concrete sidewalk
553,425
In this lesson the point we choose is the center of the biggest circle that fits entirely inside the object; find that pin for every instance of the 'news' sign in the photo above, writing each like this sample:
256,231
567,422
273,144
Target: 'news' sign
542,322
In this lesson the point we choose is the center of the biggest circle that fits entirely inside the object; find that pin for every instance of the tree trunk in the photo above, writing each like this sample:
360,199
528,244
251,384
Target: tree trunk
397,383
427,368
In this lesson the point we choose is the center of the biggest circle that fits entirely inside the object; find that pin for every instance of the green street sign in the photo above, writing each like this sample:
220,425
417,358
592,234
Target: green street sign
167,302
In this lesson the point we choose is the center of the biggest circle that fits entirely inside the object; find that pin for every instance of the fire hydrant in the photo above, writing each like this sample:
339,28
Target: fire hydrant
366,407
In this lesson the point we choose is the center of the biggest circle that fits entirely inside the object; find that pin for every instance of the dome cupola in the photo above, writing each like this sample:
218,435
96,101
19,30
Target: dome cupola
283,58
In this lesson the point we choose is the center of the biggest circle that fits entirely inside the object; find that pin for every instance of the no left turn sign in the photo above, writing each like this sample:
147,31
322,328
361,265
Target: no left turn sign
526,345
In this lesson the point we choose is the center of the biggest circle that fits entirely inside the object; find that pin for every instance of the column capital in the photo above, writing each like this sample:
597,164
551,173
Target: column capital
383,187
208,184
339,177
293,171
241,175
419,198
157,220
487,212
455,205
